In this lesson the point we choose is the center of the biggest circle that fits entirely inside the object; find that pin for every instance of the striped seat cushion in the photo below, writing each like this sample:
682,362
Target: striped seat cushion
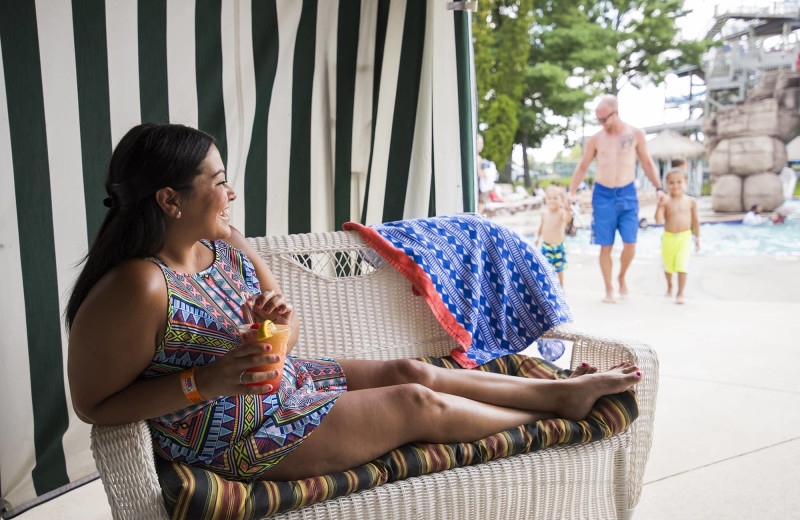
194,493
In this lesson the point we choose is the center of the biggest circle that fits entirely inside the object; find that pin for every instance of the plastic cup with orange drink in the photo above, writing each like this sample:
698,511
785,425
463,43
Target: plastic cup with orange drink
275,335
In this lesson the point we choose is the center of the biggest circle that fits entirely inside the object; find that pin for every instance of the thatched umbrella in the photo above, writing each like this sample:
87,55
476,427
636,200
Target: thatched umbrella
669,144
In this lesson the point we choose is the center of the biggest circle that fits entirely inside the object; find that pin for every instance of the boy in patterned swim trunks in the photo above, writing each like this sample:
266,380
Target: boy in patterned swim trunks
678,213
551,232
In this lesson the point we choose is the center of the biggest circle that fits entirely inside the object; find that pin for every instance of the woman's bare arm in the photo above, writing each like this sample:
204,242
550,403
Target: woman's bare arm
113,339
274,304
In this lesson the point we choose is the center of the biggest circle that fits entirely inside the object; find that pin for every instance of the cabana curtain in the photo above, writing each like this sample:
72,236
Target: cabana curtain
324,112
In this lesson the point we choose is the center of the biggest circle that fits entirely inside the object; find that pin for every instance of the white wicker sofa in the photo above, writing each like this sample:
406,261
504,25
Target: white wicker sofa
348,307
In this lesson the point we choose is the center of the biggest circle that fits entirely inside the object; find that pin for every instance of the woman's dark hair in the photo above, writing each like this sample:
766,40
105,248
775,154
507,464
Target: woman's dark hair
150,157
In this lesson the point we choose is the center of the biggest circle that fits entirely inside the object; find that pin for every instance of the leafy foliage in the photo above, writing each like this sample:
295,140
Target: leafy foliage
538,64
502,43
642,39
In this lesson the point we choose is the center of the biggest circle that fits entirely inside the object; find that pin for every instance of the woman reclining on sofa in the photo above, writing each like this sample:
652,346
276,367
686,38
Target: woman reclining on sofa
154,335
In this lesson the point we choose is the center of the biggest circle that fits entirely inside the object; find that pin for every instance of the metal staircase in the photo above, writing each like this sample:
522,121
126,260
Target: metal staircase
735,67
754,15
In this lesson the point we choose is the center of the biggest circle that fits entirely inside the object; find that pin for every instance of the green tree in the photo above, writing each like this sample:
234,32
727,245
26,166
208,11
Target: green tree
600,45
533,78
643,40
567,36
563,46
501,40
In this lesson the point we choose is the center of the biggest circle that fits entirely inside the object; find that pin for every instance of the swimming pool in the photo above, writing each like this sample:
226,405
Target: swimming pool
716,239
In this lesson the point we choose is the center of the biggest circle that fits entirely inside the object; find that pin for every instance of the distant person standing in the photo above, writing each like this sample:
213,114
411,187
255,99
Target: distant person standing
678,213
552,229
615,204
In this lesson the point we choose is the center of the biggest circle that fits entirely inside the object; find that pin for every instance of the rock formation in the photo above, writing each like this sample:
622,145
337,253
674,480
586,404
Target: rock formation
746,144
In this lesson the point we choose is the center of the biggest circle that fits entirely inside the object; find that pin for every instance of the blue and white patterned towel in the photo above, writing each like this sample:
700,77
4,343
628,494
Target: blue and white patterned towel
477,276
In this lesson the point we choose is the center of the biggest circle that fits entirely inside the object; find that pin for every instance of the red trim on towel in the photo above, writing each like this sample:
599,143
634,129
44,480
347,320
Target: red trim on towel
461,358
421,284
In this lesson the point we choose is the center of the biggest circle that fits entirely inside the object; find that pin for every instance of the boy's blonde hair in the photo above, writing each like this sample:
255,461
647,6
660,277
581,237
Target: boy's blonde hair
555,189
676,171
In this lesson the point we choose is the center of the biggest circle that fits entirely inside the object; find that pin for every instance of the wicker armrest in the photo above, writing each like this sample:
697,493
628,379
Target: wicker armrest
124,458
605,353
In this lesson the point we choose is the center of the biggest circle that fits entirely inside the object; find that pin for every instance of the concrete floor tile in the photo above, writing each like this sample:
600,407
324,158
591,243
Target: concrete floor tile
699,423
87,502
753,486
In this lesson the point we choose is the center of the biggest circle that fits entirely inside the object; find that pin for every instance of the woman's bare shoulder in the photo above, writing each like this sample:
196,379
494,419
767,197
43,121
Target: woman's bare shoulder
129,303
137,273
133,284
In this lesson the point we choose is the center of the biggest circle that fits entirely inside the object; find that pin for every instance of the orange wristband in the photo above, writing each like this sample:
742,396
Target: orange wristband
189,387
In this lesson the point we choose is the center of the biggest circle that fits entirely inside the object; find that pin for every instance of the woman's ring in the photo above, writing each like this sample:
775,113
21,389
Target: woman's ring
241,382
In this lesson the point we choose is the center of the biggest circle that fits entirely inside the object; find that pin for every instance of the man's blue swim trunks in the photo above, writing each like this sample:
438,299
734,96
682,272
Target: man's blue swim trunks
555,254
612,209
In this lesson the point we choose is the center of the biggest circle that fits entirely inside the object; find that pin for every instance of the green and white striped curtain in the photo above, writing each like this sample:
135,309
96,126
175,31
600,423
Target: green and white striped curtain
321,109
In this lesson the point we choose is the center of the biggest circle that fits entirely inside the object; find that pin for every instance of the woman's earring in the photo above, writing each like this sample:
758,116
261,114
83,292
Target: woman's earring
178,214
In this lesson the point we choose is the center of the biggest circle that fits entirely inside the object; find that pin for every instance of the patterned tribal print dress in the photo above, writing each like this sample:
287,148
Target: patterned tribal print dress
241,436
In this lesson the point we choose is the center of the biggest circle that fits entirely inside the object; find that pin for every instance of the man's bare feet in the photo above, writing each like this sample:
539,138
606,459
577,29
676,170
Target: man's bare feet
609,298
623,288
579,394
679,299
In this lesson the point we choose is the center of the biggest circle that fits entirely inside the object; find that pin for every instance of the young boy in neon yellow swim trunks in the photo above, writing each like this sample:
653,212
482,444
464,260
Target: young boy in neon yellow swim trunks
678,213
552,229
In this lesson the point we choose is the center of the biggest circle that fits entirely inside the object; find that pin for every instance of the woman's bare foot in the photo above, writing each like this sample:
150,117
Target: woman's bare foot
609,298
679,299
578,394
669,292
583,369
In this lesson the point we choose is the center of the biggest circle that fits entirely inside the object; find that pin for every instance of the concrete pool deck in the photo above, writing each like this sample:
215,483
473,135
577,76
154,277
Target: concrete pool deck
726,442
727,435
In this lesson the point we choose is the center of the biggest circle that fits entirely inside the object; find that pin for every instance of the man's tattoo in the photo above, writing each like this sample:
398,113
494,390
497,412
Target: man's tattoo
625,140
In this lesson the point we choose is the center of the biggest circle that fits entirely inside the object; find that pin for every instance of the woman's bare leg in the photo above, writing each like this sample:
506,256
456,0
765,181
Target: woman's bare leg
569,398
364,424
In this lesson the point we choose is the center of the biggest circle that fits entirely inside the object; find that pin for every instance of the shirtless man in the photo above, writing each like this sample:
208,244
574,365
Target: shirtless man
615,204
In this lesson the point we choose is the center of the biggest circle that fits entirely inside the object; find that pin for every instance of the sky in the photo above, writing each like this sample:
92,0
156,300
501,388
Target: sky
645,107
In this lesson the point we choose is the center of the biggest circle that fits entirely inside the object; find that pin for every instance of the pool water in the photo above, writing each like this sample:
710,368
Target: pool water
716,239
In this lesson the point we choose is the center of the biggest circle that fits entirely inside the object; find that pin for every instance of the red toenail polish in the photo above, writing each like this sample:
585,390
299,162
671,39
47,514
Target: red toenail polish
584,365
638,373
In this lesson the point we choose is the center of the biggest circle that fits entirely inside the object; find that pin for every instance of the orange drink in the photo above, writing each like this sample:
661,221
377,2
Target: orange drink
278,339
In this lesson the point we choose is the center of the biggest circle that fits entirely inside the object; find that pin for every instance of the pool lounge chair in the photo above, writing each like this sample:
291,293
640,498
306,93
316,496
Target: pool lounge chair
505,199
353,306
